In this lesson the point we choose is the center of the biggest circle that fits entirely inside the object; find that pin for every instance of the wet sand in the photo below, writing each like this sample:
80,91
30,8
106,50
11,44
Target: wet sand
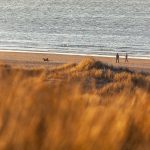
35,60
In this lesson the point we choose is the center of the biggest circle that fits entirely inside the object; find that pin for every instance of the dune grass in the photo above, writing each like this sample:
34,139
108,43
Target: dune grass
85,106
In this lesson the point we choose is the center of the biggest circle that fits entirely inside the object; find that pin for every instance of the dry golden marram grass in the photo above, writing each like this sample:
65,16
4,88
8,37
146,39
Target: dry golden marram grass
85,106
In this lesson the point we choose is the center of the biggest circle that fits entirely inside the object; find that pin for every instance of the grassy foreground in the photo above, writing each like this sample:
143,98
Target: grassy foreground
85,106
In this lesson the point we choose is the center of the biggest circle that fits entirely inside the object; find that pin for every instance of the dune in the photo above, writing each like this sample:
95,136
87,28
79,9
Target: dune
86,105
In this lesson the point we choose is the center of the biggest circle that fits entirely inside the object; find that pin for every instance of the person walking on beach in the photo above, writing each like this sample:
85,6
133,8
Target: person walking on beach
126,57
117,58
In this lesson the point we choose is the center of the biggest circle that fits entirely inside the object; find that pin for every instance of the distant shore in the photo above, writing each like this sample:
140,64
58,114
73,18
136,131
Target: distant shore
35,59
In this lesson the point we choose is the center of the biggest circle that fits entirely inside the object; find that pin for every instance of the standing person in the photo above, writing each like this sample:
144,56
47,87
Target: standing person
117,58
126,57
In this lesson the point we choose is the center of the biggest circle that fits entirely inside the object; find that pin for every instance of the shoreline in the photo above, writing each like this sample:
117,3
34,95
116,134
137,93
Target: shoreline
69,54
35,60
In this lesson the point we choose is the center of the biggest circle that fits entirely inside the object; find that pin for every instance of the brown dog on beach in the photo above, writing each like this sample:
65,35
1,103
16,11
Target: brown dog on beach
45,59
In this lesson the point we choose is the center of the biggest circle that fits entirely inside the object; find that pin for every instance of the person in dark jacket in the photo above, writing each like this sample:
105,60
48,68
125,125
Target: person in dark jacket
117,58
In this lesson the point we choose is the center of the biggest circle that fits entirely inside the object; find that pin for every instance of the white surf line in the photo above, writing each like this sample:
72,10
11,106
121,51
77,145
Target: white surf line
70,54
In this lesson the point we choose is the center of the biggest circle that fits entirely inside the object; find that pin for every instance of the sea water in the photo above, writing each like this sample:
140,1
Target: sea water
92,27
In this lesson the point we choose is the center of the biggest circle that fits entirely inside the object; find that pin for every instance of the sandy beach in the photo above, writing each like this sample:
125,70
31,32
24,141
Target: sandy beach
35,60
